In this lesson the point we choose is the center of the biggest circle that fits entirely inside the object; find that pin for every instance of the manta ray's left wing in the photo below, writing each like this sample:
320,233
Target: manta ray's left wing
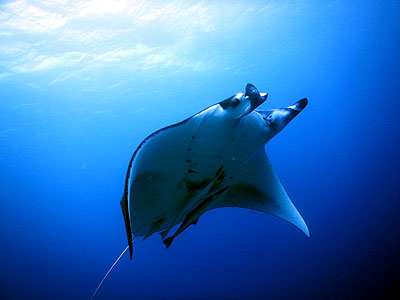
257,187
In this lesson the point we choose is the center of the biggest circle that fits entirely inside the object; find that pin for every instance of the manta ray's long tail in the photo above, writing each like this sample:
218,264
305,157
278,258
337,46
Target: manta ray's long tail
111,268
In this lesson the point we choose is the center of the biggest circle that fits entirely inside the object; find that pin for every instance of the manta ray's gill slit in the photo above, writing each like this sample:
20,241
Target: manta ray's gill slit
219,170
193,186
208,199
158,222
221,176
193,216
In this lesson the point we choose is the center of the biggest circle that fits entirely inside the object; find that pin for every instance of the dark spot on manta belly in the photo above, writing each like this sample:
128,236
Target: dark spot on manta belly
191,171
188,161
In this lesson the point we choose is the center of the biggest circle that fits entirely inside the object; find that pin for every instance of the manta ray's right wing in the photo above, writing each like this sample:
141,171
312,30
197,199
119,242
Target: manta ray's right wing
257,187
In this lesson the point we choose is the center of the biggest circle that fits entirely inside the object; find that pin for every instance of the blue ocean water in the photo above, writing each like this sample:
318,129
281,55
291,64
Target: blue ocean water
82,83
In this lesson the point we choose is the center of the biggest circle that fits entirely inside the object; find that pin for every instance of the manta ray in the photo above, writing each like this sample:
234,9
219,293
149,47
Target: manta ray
215,158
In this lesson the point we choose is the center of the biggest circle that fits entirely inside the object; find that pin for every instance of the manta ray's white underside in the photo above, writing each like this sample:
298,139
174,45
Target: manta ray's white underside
202,163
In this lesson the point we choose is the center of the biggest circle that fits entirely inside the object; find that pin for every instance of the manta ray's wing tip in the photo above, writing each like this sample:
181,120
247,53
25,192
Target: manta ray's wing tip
307,233
304,228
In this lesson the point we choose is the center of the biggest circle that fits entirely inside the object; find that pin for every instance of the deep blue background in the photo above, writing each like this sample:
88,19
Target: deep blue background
64,150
